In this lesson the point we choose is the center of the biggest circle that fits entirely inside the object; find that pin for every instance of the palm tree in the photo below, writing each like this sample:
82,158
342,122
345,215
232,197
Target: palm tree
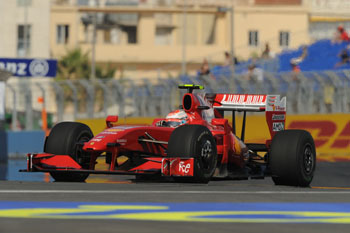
74,65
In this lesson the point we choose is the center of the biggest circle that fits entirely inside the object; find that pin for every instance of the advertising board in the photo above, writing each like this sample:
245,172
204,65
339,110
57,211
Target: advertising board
23,67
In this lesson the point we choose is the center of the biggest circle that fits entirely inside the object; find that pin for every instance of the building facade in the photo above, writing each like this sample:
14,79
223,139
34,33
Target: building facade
25,28
152,38
326,16
282,27
148,38
25,33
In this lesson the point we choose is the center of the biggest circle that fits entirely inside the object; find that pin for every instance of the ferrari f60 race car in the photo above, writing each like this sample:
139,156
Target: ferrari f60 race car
194,143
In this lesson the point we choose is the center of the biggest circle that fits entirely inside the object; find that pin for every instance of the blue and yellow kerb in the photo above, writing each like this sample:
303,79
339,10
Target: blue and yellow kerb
338,213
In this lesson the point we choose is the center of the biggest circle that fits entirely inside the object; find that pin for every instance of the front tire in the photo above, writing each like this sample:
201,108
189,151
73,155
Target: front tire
63,140
292,158
195,141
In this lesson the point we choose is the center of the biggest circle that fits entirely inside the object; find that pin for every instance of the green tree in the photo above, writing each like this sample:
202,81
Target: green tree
76,65
104,73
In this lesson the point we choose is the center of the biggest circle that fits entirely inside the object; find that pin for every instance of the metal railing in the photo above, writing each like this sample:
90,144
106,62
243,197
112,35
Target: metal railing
307,93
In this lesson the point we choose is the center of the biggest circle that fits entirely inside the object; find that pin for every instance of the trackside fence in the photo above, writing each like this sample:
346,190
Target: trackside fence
27,100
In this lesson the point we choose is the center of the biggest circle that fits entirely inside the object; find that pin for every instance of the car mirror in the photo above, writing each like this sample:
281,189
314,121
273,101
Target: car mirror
110,120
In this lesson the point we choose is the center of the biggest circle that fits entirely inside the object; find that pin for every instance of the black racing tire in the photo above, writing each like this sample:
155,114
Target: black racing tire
63,140
195,141
292,159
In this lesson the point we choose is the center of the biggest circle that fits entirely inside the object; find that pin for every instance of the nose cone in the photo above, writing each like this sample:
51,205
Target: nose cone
95,146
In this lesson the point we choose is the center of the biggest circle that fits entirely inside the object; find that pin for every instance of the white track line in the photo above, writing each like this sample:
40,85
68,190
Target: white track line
167,192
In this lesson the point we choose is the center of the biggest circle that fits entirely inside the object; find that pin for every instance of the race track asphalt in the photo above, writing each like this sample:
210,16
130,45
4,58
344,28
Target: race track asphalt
119,204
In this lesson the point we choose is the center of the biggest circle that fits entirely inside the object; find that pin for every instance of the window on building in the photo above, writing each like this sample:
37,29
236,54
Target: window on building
115,35
131,32
125,26
253,38
208,25
122,2
112,36
86,33
62,35
284,38
62,2
24,3
163,36
278,2
164,28
107,36
23,40
83,2
87,2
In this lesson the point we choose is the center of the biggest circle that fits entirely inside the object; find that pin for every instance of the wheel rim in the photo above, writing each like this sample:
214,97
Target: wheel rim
308,158
206,153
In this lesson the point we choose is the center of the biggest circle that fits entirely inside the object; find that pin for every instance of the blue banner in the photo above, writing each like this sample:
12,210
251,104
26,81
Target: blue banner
23,67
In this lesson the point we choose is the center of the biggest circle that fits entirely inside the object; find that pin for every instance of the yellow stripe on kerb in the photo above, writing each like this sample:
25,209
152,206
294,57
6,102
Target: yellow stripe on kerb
162,213
66,212
242,216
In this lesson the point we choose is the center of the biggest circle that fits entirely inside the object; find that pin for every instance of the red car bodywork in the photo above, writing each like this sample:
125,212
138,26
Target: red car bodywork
146,146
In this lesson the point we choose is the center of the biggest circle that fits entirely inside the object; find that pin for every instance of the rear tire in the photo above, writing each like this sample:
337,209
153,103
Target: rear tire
63,140
292,159
195,141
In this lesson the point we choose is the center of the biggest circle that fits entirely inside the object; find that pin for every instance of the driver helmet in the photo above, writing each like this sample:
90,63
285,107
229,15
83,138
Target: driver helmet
176,118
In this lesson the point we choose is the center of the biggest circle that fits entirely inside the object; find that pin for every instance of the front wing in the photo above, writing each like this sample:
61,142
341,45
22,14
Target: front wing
45,162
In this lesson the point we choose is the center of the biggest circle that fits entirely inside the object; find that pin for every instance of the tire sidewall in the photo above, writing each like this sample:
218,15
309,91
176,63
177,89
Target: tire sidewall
187,142
82,135
305,142
204,170
286,159
63,140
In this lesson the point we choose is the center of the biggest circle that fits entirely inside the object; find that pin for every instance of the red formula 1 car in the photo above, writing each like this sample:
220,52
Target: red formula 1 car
193,143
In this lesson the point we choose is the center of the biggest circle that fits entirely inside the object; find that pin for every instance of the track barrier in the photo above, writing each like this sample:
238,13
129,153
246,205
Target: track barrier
18,143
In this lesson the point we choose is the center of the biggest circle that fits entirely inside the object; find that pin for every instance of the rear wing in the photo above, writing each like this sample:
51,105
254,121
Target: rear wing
249,102
274,107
